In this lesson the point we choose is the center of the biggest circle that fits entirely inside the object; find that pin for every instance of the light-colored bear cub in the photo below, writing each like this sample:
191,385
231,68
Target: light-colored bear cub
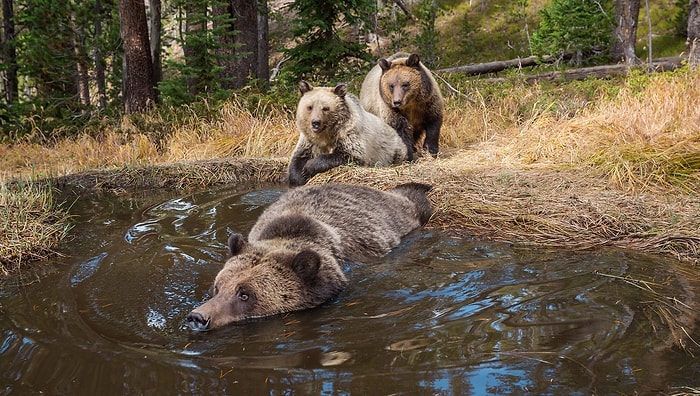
335,130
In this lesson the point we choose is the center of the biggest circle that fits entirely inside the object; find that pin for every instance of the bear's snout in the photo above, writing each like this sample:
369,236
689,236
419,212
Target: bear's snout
196,322
315,125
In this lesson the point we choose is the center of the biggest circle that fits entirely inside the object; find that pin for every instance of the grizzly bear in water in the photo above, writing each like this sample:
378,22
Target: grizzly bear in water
400,89
292,259
335,130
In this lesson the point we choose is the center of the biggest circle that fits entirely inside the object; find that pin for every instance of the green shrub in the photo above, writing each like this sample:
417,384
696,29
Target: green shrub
580,29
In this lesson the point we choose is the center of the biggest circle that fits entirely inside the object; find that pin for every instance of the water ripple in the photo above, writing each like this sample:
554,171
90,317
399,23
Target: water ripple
438,315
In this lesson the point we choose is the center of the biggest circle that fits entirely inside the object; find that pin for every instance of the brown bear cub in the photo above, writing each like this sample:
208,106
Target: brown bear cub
401,91
335,130
292,259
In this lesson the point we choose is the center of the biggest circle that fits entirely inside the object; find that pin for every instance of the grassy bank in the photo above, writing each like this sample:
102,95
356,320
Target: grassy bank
32,223
576,165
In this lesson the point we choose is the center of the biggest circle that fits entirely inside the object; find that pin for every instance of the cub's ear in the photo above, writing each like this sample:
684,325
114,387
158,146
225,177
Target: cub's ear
413,60
306,265
341,90
236,243
384,64
304,87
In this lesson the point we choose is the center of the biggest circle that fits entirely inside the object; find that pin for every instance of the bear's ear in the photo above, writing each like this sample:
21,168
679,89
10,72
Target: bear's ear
413,60
306,265
384,64
304,87
235,243
340,90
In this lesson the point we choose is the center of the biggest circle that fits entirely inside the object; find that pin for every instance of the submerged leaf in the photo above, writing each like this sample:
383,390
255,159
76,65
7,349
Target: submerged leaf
409,345
335,358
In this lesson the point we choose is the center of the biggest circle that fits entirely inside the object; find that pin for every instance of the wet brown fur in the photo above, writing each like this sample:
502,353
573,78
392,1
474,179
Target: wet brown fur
292,259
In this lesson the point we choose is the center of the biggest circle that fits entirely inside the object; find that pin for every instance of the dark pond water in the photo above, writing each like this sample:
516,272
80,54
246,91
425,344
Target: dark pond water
439,315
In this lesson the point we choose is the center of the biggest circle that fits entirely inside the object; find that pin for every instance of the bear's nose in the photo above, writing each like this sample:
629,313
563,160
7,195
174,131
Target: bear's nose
315,124
397,103
196,322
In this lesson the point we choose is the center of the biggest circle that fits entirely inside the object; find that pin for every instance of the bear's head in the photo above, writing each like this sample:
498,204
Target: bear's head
401,81
260,281
321,109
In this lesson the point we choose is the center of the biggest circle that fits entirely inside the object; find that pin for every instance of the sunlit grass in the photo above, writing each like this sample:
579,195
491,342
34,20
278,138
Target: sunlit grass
233,132
646,135
32,224
643,138
236,132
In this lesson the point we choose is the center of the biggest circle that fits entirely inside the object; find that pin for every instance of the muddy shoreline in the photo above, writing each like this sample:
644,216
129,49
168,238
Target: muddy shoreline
535,207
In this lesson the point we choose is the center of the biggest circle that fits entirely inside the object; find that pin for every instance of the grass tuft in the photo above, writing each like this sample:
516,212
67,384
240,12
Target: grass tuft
32,225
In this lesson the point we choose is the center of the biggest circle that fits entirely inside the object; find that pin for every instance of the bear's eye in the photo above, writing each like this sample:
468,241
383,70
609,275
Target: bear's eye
405,86
214,290
326,108
309,108
243,296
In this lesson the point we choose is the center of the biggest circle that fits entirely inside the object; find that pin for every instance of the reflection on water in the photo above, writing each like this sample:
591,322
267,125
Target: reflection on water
439,315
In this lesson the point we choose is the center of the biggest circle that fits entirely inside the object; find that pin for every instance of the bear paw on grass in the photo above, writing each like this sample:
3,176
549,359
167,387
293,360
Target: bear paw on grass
335,130
292,259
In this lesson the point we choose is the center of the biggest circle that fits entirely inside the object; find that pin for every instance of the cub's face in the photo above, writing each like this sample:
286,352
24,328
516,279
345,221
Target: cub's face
399,86
255,283
319,108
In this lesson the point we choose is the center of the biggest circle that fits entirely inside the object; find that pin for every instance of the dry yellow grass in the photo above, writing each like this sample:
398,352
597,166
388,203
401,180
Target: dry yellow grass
236,132
638,139
32,225
621,170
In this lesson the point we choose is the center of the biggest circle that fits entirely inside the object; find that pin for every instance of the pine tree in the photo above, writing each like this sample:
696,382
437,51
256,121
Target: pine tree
323,44
205,39
52,56
575,28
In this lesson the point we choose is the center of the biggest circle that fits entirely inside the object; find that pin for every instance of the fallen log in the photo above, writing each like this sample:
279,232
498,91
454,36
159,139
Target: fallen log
606,71
661,64
492,67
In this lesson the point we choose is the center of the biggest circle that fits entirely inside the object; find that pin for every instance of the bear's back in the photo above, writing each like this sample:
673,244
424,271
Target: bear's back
377,143
367,221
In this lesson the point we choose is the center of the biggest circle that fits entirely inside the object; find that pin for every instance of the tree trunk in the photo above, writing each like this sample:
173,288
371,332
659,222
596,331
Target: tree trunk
156,28
263,72
693,42
99,59
243,55
9,53
81,59
245,13
624,33
139,85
